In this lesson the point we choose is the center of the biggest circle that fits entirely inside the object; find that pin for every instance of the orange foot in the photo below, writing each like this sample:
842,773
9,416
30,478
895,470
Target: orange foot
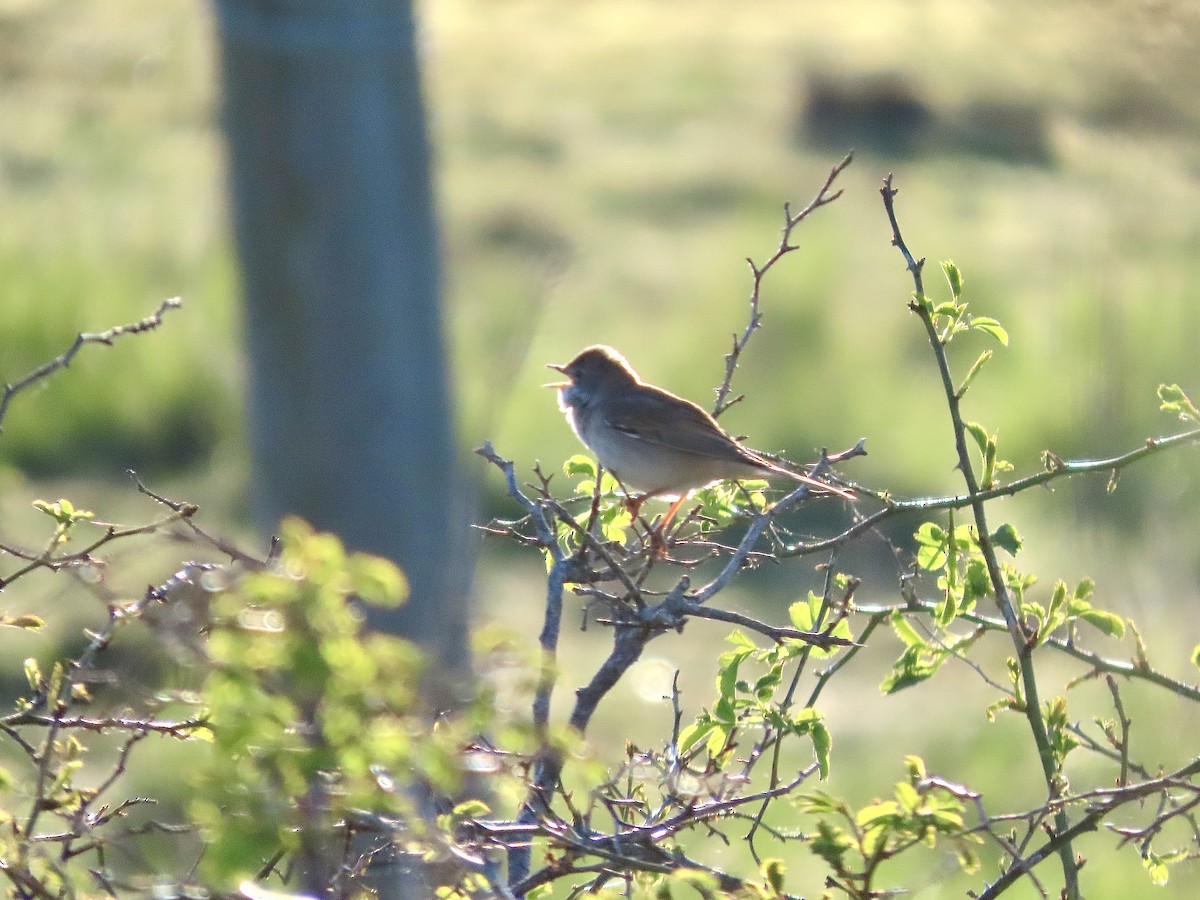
658,540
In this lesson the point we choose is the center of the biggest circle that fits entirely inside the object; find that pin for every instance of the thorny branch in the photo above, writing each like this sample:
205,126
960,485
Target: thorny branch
1033,707
578,845
1056,468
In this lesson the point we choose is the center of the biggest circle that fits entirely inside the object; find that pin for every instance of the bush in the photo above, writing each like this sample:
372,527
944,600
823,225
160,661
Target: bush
315,762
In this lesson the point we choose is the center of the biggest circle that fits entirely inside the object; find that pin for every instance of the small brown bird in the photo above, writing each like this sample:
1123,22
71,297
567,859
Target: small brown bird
650,439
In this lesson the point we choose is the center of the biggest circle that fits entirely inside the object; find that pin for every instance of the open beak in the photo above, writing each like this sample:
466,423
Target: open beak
561,369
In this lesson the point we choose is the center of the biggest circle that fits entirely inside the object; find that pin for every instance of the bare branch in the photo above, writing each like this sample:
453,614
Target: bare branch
824,196
63,360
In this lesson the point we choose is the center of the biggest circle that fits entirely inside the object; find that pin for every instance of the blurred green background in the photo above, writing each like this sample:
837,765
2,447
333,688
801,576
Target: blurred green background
604,170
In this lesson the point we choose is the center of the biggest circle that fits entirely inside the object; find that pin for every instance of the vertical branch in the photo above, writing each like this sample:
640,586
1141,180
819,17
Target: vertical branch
548,640
1124,722
547,766
1024,646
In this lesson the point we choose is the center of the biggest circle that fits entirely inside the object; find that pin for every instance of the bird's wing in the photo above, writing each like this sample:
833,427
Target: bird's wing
689,428
692,431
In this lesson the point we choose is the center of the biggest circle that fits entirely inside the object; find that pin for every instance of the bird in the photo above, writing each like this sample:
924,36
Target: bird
651,440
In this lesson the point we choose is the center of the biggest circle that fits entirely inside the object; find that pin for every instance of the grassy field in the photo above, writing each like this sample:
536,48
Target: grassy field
603,172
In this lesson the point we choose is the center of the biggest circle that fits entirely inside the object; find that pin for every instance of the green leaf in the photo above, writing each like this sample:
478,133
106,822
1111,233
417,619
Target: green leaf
821,804
905,631
1156,868
987,479
974,370
910,669
765,686
907,796
953,278
63,776
693,733
56,680
724,712
1058,598
803,613
727,675
33,673
704,883
471,809
25,620
1156,864
947,610
738,638
979,433
956,537
930,533
968,861
580,464
718,740
915,767
1196,656
931,546
772,870
62,511
808,721
874,812
822,744
377,581
1175,400
1006,538
831,844
920,661
1110,623
1007,703
988,325
804,617
1054,615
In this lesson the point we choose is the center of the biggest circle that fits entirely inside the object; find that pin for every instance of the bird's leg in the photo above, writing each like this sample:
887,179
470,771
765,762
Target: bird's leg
658,541
671,513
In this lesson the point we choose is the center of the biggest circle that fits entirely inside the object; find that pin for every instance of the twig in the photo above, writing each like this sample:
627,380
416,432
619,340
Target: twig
45,560
1124,722
63,360
595,546
1057,468
187,513
1099,663
179,729
786,246
823,639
